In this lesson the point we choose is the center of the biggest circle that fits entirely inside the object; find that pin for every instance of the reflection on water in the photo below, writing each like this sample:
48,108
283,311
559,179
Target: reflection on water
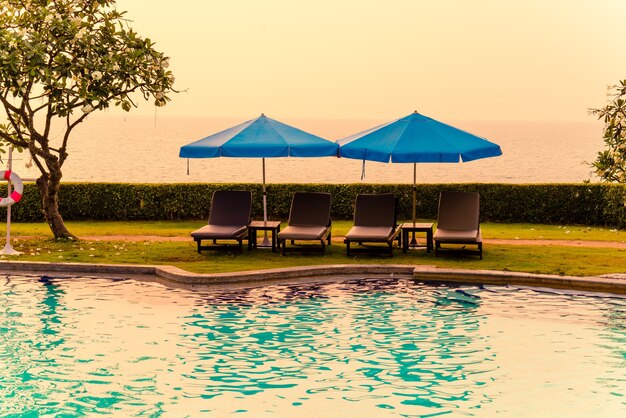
359,348
386,348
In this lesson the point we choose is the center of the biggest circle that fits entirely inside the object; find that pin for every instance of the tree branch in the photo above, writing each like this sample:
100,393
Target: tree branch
40,166
12,140
62,151
10,111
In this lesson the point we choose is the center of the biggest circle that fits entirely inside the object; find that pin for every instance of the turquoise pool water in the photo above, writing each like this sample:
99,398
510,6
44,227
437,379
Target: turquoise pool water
84,346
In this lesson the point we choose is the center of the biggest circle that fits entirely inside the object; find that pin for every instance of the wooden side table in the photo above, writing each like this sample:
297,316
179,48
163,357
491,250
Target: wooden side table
253,227
417,227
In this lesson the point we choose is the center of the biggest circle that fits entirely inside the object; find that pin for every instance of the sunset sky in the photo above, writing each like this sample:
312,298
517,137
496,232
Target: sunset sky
485,60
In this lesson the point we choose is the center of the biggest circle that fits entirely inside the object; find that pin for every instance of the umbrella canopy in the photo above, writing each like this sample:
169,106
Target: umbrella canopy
262,137
416,139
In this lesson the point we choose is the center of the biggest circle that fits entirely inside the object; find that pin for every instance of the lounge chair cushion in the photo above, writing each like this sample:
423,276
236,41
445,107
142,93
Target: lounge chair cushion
310,209
296,232
459,211
370,233
219,231
230,207
309,219
458,235
375,210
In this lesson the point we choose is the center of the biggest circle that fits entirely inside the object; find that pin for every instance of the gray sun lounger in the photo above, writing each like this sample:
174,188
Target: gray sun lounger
228,220
309,220
458,220
374,222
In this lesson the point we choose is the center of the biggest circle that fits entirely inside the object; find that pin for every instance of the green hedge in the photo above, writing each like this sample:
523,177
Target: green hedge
589,204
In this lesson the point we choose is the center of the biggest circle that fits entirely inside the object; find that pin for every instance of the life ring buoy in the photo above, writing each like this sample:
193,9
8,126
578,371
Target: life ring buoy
18,188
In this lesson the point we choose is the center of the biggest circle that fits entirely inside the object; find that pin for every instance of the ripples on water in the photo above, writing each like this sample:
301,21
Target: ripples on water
353,349
142,150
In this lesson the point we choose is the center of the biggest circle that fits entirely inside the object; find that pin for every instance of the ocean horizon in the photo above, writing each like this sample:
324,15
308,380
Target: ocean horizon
143,149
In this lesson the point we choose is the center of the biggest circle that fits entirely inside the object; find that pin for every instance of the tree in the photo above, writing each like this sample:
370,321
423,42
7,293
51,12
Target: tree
60,61
610,164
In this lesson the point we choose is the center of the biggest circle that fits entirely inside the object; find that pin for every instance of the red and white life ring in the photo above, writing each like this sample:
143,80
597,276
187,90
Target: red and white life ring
18,188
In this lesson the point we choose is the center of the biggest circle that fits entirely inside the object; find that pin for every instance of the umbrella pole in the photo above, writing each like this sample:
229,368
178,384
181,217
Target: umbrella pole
413,242
266,242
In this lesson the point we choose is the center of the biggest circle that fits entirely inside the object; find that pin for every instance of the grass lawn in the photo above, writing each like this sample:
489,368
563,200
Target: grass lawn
532,258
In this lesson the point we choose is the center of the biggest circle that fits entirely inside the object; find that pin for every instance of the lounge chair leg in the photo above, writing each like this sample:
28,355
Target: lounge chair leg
436,249
282,244
480,250
323,246
391,249
199,245
329,237
348,248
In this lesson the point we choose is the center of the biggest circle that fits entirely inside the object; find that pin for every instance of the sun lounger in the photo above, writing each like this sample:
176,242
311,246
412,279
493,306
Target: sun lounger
228,220
374,222
309,220
458,220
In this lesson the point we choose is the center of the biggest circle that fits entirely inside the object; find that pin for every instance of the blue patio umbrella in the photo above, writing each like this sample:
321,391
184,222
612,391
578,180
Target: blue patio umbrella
262,137
416,139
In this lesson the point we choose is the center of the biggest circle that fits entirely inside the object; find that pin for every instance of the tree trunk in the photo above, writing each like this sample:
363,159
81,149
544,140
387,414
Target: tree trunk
49,185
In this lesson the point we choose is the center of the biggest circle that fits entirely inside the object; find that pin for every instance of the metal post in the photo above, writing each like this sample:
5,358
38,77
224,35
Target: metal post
8,249
413,242
266,242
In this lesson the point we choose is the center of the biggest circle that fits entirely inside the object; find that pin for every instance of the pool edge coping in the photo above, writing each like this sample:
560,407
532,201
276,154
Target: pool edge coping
426,272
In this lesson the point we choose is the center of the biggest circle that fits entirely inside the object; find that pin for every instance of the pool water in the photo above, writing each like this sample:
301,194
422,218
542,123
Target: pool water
359,348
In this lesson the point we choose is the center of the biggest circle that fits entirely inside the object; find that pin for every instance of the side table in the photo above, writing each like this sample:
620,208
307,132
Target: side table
253,227
417,227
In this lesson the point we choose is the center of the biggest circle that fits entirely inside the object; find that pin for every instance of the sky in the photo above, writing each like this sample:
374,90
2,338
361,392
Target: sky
479,60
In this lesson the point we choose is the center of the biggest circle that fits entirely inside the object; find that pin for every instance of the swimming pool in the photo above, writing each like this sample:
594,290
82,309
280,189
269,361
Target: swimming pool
358,348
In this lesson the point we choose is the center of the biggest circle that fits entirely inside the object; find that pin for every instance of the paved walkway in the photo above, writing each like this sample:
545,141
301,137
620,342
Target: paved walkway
567,243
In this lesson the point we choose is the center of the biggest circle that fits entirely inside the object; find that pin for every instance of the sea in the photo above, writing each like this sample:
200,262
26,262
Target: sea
144,149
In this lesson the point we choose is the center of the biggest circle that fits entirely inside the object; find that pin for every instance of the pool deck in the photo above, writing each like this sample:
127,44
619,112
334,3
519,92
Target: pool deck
610,283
